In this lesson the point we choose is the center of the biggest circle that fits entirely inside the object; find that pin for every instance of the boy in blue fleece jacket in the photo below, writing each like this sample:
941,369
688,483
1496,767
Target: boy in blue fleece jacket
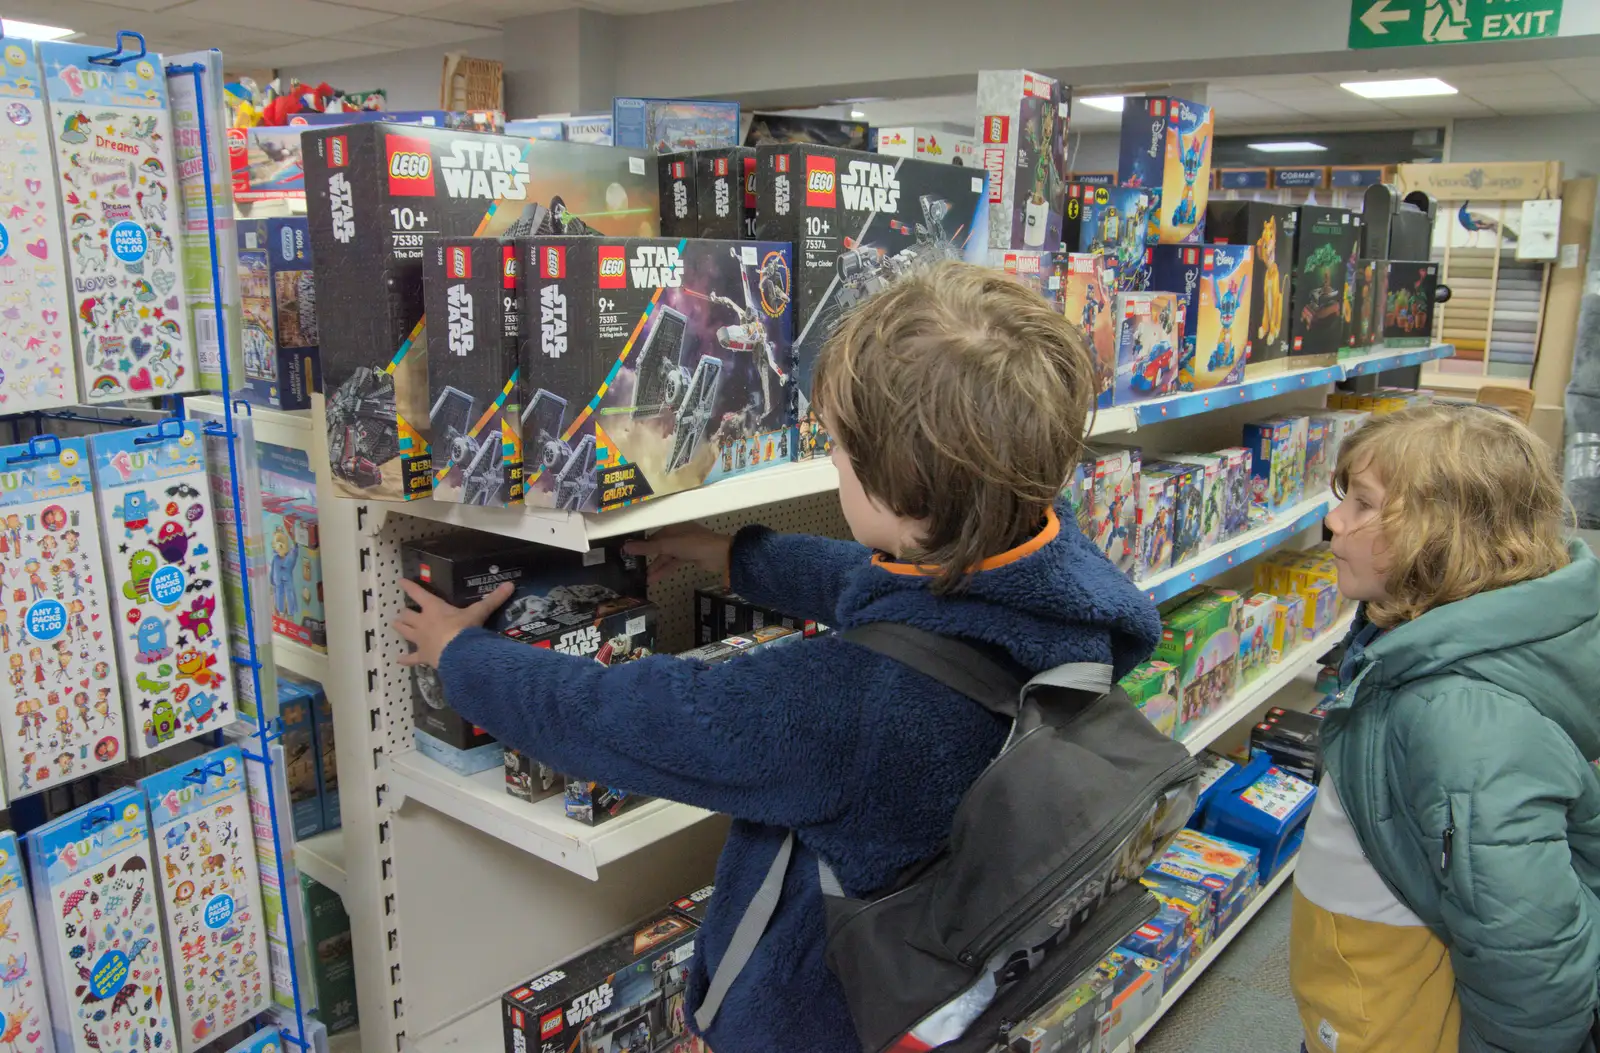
958,402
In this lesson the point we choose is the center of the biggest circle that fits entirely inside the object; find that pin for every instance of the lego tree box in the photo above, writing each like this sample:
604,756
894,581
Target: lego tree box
1166,146
1408,308
279,295
1022,125
1087,289
1277,462
1116,224
652,366
1116,504
626,994
725,185
1147,346
1225,295
1326,243
374,194
469,288
858,222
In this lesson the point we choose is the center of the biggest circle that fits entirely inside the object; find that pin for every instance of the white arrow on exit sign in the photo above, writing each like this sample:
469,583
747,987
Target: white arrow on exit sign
1377,17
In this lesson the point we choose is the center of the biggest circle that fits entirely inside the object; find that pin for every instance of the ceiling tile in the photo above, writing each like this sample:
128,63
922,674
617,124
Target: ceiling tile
414,32
310,52
644,7
313,16
493,12
134,5
1494,97
1579,104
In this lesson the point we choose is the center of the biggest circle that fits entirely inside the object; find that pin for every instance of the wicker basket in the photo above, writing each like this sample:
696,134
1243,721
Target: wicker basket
472,83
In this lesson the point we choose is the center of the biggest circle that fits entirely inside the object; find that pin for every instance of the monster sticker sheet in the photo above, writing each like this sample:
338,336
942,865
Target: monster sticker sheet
99,930
161,547
210,894
61,706
124,220
36,364
24,1014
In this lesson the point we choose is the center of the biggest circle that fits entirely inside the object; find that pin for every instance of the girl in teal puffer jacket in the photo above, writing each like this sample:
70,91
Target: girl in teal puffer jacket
1446,898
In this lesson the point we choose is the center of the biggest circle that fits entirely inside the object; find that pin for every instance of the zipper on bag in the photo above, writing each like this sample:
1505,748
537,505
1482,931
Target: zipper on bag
1447,839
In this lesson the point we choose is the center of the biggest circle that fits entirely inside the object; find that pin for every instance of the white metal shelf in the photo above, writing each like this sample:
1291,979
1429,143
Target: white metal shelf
290,428
321,858
1219,559
479,1031
541,828
299,659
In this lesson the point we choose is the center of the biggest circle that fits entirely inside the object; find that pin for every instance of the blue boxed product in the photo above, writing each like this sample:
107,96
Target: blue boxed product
327,758
1159,936
267,1040
1278,462
1220,776
549,128
1116,223
596,130
278,295
1176,269
669,125
1166,145
290,525
1224,870
1269,815
462,762
296,708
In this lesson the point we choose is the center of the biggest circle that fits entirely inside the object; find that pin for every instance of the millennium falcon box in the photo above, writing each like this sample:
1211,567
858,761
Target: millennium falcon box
374,192
651,365
469,286
858,221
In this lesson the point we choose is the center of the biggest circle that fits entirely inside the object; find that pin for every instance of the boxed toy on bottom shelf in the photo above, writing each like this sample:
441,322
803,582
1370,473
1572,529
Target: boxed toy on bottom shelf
1268,814
333,966
1293,740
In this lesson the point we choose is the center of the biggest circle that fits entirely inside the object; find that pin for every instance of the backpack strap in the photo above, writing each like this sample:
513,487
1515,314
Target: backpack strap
955,663
742,947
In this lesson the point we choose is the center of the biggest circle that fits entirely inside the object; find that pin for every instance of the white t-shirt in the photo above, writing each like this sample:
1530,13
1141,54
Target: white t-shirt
1334,873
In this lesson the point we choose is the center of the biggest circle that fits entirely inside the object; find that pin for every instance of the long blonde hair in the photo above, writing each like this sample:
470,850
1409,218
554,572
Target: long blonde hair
1472,502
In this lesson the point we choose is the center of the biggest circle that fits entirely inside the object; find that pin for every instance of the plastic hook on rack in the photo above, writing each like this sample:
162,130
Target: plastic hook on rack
120,55
97,818
39,447
201,772
171,428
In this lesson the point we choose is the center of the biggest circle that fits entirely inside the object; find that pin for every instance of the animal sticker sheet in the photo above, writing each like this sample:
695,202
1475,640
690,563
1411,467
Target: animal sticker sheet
210,894
61,700
161,551
124,222
36,364
24,1013
99,929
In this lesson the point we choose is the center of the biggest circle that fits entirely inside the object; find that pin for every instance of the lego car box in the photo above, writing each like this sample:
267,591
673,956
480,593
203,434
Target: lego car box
1021,135
858,222
469,288
1087,289
1408,307
651,366
1166,146
374,194
1270,231
628,994
1148,352
278,293
1327,243
1116,224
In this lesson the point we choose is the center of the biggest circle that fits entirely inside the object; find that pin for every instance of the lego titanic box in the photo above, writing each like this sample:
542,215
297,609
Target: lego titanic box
1327,241
1408,307
1270,231
1147,346
1086,295
469,288
1116,224
651,366
1166,146
374,192
859,221
279,299
1022,124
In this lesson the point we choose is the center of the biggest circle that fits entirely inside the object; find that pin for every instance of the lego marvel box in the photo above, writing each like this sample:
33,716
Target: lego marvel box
279,300
1270,231
1040,271
1086,296
1166,145
1147,346
652,366
1327,241
1176,269
1408,308
374,192
1116,224
858,222
1225,297
1116,503
469,288
1022,124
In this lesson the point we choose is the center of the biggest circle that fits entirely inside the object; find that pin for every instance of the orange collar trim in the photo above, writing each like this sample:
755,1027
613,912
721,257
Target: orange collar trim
1052,528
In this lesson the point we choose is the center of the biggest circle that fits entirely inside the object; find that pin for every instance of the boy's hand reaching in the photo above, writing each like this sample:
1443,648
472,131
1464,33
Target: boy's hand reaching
432,628
685,544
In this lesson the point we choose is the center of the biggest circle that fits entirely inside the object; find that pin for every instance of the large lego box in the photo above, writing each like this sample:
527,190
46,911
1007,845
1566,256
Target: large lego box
1021,135
1166,146
1270,231
628,994
858,222
279,299
1327,245
1224,301
652,366
725,182
374,193
470,288
1148,354
1116,223
1087,293
1408,308
666,125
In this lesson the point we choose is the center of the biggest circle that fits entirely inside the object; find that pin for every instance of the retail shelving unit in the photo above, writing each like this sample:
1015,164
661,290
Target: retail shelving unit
461,891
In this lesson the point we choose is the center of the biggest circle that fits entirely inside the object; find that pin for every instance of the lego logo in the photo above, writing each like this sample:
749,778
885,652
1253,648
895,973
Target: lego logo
1210,257
610,268
517,1019
1158,107
613,270
410,166
1190,257
458,262
553,261
719,166
820,182
338,151
679,170
508,265
550,1024
780,163
997,128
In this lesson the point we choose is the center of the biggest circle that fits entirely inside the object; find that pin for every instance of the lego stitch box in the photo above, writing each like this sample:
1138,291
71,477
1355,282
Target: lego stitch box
1326,245
1270,231
1225,295
470,288
1147,346
279,298
1022,124
373,194
651,366
1166,146
1087,291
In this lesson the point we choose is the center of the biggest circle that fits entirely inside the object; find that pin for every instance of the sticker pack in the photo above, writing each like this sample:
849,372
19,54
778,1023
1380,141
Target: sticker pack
24,1013
99,930
210,894
124,221
161,545
36,364
61,707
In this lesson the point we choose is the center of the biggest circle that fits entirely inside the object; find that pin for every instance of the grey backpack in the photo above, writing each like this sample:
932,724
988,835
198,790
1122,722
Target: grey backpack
1039,880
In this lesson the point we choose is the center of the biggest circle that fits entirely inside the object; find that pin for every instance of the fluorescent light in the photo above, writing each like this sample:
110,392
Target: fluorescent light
34,31
858,115
1398,89
1109,103
1288,148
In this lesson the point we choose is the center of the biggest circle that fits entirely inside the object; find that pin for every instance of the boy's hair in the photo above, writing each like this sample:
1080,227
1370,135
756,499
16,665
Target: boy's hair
1472,502
961,398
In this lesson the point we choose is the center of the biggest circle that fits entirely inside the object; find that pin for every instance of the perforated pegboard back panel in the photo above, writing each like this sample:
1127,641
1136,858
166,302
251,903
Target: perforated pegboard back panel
382,577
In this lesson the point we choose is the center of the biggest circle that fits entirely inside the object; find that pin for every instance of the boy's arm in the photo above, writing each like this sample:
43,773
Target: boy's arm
1523,935
771,737
797,574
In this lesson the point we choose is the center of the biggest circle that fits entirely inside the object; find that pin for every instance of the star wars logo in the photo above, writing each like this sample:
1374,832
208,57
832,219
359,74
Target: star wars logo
485,168
656,267
519,1042
552,321
580,642
680,199
589,1003
721,199
459,301
343,203
780,194
868,186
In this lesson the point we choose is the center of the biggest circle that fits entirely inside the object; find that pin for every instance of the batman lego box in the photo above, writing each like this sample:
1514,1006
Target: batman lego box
469,286
652,365
858,222
374,192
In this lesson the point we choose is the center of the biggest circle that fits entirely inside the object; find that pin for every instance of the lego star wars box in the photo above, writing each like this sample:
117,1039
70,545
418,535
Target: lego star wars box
1326,243
279,296
1224,301
858,222
625,996
1022,125
652,366
1116,224
1166,145
725,181
374,192
469,287
1408,308
1086,296
1147,346
680,205
1270,231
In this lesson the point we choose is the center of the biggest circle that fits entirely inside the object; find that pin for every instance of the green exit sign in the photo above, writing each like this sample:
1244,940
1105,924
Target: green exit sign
1410,23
